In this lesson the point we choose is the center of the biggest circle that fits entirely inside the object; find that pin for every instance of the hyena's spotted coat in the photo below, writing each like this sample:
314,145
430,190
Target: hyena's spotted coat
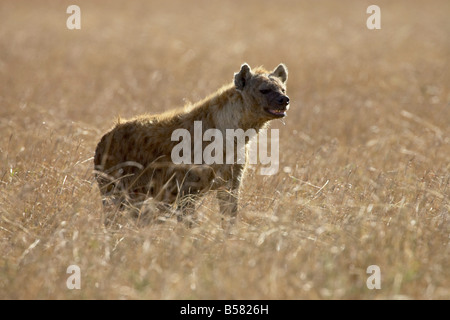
133,160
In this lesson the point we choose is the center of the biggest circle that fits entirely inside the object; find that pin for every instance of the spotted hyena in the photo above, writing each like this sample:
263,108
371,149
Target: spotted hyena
133,160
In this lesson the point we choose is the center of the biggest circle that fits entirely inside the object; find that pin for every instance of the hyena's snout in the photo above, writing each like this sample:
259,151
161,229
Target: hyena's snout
282,101
278,105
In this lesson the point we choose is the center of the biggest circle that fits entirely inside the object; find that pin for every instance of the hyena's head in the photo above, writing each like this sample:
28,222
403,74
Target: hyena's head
264,91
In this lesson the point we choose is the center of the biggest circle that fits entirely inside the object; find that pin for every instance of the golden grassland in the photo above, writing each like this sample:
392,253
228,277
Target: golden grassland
364,150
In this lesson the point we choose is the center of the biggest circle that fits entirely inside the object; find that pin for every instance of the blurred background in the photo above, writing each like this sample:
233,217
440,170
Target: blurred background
149,56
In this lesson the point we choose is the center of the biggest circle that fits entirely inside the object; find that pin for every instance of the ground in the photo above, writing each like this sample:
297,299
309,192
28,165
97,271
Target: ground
364,150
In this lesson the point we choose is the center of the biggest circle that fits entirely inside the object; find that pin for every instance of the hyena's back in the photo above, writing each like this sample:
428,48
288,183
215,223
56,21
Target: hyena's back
133,163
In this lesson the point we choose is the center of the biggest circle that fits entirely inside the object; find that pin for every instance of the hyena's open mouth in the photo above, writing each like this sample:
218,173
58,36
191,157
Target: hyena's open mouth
279,107
279,113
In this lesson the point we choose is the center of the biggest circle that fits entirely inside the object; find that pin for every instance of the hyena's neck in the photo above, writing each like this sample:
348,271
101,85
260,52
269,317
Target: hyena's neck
226,109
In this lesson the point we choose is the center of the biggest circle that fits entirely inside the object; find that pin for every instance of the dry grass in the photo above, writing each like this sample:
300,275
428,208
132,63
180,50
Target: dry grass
364,152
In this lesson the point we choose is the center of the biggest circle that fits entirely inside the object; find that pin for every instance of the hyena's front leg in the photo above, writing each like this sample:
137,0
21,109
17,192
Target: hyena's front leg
196,181
186,210
228,202
228,198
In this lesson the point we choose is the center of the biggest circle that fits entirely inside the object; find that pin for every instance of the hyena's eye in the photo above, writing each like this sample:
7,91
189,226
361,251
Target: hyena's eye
264,91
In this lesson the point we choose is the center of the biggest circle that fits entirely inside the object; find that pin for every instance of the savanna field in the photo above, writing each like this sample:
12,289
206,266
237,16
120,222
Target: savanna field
364,163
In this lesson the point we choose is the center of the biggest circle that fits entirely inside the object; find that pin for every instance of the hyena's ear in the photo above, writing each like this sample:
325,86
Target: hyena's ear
280,72
241,78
